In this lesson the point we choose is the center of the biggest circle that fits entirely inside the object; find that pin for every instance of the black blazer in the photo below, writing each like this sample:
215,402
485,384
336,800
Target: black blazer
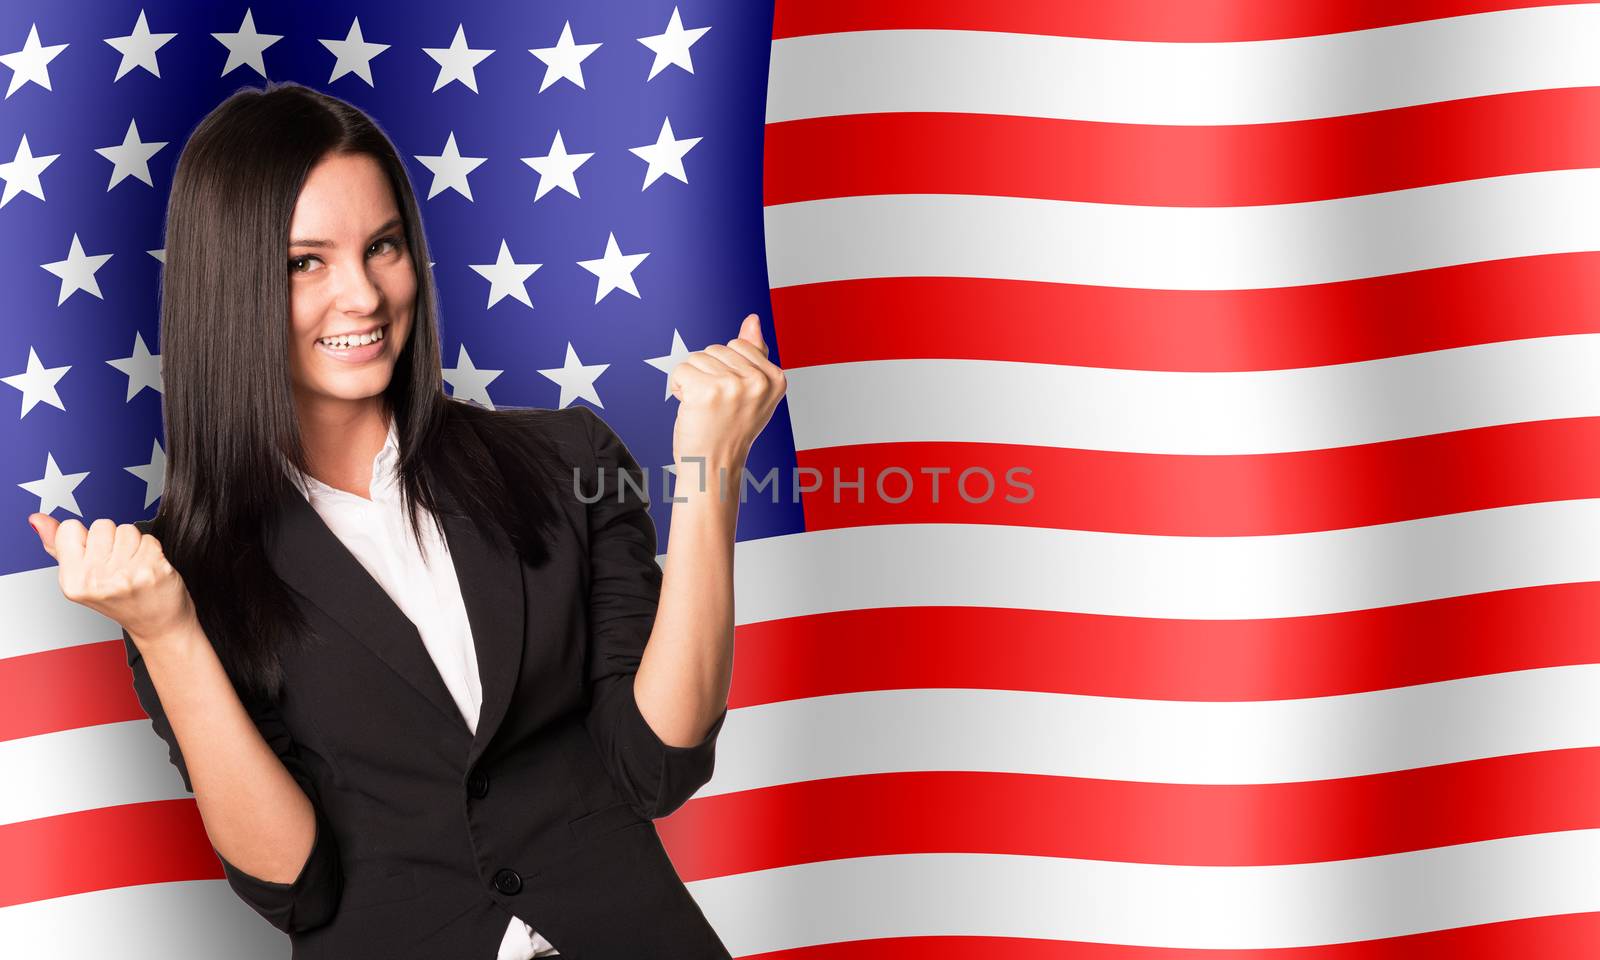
429,838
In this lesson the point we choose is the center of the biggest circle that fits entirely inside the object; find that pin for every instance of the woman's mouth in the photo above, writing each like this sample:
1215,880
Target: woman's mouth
355,349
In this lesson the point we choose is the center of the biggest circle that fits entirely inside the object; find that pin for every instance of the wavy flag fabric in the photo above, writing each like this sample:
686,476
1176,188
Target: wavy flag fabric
1183,539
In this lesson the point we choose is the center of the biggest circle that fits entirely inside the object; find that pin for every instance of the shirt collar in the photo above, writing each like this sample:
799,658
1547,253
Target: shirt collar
384,478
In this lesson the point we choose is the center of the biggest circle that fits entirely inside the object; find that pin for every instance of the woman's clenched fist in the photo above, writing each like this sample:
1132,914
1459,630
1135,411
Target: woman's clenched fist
727,394
118,571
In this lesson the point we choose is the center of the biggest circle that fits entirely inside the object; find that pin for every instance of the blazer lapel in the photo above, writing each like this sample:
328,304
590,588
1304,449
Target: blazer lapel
313,560
490,574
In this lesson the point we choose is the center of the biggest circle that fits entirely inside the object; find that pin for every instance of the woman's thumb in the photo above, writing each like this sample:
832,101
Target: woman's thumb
45,526
750,330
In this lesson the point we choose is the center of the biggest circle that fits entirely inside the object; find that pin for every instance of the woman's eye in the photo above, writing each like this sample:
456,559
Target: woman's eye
394,242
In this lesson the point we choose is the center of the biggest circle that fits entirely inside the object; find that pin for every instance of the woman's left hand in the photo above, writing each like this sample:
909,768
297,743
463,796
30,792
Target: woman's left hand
727,393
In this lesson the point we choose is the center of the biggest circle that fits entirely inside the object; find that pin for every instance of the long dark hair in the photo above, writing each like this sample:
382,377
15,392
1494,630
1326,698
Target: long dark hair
228,408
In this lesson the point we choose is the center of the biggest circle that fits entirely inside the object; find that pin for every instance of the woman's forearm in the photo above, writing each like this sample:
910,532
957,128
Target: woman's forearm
256,815
687,667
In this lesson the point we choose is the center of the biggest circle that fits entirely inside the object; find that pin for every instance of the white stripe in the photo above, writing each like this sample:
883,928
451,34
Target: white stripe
104,765
1016,732
1143,575
195,920
1157,741
1182,248
39,618
1120,81
1093,901
942,894
1204,413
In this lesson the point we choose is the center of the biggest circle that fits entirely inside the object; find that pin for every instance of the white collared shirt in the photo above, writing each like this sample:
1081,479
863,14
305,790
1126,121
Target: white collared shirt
423,585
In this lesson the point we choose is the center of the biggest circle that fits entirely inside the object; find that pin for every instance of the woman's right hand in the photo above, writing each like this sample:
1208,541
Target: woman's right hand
120,572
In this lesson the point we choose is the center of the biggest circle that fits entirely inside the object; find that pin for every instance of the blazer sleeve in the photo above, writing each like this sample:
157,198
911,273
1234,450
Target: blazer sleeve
624,589
313,898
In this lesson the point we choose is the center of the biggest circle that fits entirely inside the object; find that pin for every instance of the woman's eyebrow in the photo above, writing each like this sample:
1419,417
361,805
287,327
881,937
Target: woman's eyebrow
393,222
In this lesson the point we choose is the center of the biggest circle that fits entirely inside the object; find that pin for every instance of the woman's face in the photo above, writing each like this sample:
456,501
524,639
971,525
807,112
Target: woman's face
349,272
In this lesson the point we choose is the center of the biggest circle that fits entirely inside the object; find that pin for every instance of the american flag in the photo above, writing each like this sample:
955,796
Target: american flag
1287,311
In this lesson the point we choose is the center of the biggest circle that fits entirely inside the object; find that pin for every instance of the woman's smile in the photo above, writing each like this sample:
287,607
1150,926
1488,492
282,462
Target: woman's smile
358,354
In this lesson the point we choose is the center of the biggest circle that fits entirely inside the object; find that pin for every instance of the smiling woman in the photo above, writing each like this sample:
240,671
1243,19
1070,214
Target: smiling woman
364,606
352,291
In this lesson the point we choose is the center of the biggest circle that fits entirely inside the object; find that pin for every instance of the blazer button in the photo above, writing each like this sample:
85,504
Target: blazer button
478,784
508,882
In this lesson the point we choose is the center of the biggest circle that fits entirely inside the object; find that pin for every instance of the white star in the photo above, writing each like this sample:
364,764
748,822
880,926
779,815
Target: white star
558,168
77,271
614,269
450,169
467,382
153,473
672,359
244,47
139,48
37,383
672,47
32,62
456,62
507,278
132,157
159,253
143,368
576,379
353,54
563,61
665,156
22,171
54,489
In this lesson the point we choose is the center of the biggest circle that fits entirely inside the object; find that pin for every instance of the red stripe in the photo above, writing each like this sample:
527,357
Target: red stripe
66,688
1539,938
1282,658
1139,329
1147,658
101,849
1126,822
1164,20
1181,166
1204,496
818,820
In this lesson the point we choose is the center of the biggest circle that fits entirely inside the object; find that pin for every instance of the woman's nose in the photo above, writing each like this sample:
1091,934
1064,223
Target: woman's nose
358,292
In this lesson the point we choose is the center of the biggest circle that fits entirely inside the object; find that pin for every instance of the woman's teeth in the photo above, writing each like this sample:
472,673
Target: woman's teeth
340,343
